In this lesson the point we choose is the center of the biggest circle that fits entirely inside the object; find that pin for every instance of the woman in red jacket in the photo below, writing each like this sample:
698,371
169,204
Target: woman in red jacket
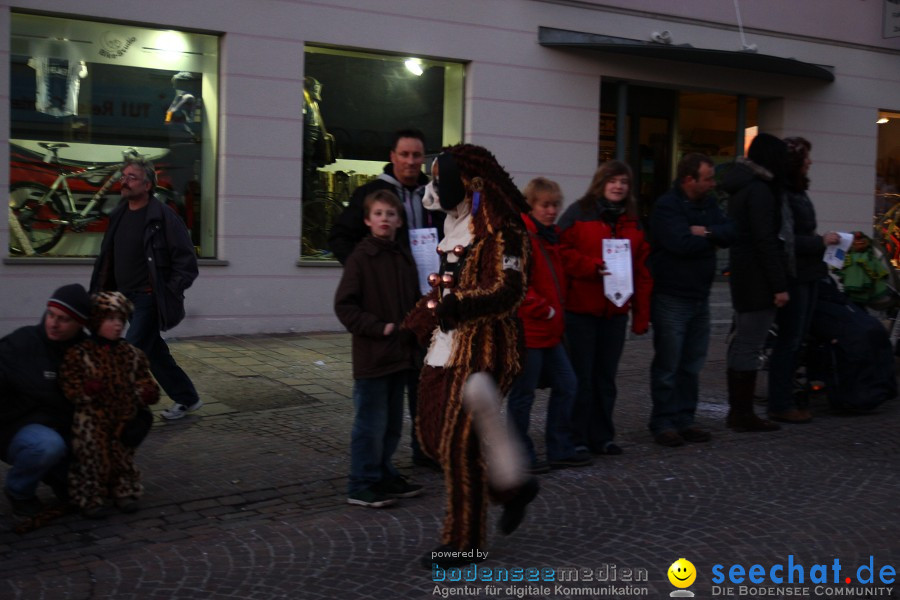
542,317
601,224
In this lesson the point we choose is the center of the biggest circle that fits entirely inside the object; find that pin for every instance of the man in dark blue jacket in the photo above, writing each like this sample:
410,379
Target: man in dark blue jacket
147,255
686,226
35,417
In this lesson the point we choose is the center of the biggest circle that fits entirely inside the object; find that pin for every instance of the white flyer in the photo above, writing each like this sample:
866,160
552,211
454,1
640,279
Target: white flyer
619,284
835,255
423,244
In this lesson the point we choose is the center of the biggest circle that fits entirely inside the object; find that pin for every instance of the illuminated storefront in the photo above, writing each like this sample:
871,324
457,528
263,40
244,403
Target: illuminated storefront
261,123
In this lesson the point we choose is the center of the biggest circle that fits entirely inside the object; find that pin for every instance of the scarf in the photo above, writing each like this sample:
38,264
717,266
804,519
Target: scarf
609,211
548,233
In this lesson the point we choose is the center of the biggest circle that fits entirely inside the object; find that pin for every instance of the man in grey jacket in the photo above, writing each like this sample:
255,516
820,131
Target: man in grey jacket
147,255
403,176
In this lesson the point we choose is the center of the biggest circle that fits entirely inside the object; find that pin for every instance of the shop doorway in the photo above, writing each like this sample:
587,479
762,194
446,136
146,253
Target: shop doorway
652,128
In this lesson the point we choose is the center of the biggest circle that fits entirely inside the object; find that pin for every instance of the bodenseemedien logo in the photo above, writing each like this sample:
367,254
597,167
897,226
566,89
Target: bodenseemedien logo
682,575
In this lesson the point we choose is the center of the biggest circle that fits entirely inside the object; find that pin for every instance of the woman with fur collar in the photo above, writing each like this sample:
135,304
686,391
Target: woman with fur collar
762,259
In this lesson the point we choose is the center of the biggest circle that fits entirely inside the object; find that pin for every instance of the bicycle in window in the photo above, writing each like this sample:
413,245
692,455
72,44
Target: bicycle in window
43,205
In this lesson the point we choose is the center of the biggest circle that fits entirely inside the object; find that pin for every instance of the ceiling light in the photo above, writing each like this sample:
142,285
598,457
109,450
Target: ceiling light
414,66
882,120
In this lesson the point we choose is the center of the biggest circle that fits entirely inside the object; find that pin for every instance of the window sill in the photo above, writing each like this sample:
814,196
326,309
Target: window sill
59,260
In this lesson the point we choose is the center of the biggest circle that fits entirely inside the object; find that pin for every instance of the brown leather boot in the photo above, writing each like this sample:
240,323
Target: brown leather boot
741,418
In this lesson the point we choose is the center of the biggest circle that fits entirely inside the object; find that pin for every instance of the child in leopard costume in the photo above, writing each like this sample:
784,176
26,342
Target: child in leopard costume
108,380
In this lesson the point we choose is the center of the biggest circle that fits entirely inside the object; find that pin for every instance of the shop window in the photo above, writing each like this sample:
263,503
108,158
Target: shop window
887,167
887,184
85,94
353,104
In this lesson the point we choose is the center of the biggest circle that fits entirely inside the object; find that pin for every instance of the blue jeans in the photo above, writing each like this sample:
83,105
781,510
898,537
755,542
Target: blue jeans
793,322
412,401
376,429
36,452
143,332
554,363
595,347
680,343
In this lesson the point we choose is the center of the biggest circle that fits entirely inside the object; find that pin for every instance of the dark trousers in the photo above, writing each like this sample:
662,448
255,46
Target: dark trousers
793,322
143,333
595,347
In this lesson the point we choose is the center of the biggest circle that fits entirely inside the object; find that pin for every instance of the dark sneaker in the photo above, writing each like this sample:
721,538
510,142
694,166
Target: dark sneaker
669,439
794,416
99,511
695,435
370,499
398,487
514,510
538,468
608,449
27,507
579,459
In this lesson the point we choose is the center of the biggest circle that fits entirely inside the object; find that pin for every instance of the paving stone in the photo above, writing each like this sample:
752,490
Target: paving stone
246,498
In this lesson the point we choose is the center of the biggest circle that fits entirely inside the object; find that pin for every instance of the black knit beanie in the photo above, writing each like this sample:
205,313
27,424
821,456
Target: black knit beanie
73,300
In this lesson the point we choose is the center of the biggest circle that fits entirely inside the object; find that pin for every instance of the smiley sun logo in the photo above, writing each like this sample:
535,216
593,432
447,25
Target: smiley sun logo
682,574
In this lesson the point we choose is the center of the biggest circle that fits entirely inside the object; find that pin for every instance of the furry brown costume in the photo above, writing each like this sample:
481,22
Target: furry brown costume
469,323
108,381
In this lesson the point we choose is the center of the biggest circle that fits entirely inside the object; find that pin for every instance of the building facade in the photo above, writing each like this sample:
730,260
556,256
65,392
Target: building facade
262,116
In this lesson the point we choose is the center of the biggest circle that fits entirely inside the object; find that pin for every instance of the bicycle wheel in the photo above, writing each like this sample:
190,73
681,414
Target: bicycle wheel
38,213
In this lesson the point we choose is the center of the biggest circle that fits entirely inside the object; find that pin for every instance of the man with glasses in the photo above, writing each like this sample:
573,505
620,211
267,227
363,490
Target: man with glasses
147,254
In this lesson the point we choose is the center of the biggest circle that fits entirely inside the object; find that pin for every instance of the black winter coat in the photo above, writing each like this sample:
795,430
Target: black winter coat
683,264
809,247
758,261
171,260
350,227
29,393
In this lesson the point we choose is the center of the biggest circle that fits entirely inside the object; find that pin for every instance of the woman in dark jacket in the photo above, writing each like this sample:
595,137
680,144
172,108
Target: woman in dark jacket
793,319
759,269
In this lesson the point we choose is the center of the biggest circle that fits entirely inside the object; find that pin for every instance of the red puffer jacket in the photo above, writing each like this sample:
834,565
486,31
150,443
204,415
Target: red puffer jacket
582,251
542,310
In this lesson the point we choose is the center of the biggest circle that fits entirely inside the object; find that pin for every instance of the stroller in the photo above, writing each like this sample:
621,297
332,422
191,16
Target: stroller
850,351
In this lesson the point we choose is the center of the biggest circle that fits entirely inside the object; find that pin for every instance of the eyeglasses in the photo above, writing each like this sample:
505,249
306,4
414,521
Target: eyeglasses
130,178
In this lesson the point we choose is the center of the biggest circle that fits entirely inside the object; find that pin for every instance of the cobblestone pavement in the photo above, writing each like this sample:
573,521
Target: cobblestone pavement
245,499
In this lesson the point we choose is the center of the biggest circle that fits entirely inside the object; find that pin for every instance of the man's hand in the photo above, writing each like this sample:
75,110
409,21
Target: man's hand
389,329
699,230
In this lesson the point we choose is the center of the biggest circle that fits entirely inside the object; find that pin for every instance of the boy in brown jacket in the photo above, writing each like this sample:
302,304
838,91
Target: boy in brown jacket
378,288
